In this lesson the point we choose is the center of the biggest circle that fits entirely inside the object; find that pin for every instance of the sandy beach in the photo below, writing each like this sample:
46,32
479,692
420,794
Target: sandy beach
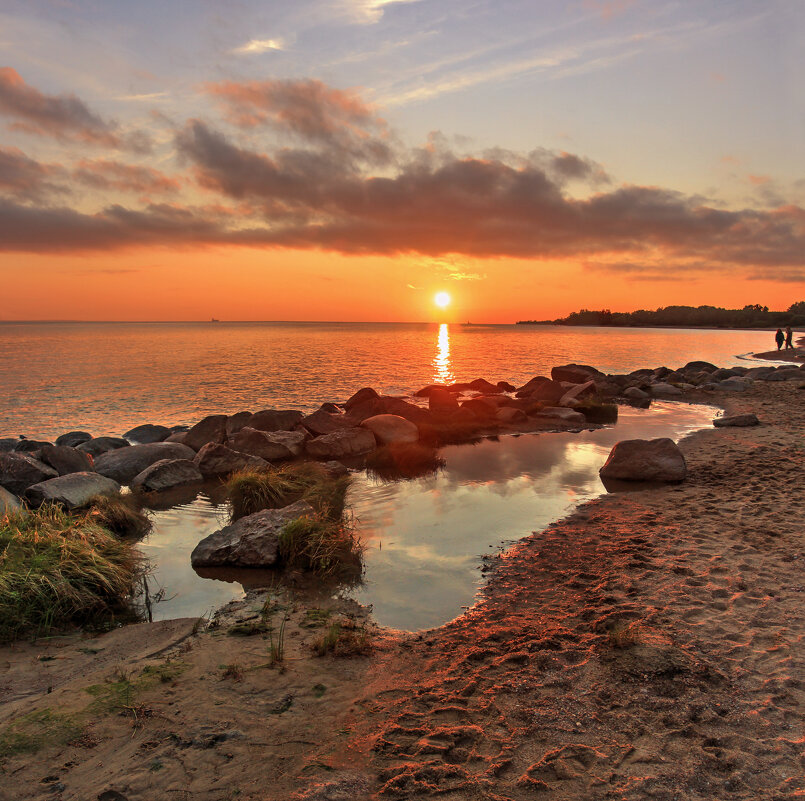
648,646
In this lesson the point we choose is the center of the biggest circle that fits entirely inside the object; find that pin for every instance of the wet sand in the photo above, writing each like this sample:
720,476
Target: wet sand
648,646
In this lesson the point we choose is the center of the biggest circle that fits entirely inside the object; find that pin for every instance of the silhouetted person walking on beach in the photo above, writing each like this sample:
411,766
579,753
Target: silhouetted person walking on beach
779,338
789,338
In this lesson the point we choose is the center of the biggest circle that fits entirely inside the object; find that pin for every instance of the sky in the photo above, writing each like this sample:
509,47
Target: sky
348,159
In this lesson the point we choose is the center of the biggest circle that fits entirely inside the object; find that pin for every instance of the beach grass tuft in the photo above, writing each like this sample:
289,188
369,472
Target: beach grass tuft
120,514
343,639
59,570
252,490
321,545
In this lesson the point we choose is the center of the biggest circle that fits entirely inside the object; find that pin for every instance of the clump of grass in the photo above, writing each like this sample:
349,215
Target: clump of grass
36,730
321,545
120,514
315,618
276,645
623,635
59,570
233,671
343,639
252,490
404,460
248,629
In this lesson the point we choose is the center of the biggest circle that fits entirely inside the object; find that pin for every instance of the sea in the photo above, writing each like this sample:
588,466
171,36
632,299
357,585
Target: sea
427,539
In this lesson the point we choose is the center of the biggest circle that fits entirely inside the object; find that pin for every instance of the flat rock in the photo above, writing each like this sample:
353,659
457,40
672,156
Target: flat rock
273,446
124,464
73,438
391,428
736,420
166,474
18,471
735,384
696,367
546,390
251,541
635,393
146,434
645,460
324,422
215,459
98,445
561,413
64,459
341,444
510,414
72,491
578,391
575,373
274,420
209,429
236,421
662,390
9,503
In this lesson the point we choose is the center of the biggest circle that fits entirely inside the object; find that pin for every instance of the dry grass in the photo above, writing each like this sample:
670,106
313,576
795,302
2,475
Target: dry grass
321,545
59,570
120,514
343,639
252,490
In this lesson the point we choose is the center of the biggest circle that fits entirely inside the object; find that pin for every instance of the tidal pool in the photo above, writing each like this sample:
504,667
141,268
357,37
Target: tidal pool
425,538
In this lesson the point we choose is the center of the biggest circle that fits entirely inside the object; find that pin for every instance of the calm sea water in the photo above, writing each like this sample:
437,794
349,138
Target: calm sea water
108,377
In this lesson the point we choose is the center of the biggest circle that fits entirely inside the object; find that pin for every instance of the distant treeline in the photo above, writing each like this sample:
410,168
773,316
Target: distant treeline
752,316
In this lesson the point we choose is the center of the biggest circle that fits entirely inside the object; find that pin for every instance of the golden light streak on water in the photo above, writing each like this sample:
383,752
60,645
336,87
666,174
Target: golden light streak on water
442,367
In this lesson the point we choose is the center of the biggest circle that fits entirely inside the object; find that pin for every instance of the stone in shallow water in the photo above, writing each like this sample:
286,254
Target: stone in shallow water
251,541
268,445
146,434
218,460
18,471
72,491
391,428
341,444
166,474
645,460
211,429
124,464
64,459
98,445
736,420
73,438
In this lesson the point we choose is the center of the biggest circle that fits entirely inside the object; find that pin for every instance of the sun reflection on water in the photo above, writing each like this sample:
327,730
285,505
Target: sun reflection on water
442,368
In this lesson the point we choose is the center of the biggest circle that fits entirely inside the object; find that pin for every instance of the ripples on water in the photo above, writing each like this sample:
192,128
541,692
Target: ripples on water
106,378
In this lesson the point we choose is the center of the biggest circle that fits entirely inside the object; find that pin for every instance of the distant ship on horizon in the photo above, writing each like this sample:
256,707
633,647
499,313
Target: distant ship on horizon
214,320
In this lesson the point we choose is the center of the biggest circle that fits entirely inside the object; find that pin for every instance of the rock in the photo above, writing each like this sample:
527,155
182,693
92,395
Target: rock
759,373
73,438
218,460
426,391
482,385
236,421
634,393
665,391
64,459
391,428
324,422
177,436
577,392
645,460
7,444
274,420
367,408
564,415
32,446
696,367
72,491
269,445
441,402
510,414
545,390
402,408
99,445
333,408
251,541
9,503
735,384
736,420
340,444
787,373
482,409
166,474
211,428
607,388
361,396
335,469
505,386
123,464
598,412
575,373
18,471
146,434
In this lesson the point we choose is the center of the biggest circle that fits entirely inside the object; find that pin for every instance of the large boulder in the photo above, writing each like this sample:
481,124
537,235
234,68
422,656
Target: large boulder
425,392
210,429
124,464
324,422
366,408
561,414
7,444
73,438
482,385
166,474
663,390
510,414
575,373
252,541
31,446
73,491
146,434
735,384
98,445
577,392
274,420
739,420
699,366
9,503
547,391
483,409
402,408
215,459
342,444
441,401
645,460
391,428
236,421
635,393
18,471
64,459
273,446
361,396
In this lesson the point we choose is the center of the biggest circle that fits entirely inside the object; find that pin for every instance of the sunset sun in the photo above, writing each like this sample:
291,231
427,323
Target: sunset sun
442,300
